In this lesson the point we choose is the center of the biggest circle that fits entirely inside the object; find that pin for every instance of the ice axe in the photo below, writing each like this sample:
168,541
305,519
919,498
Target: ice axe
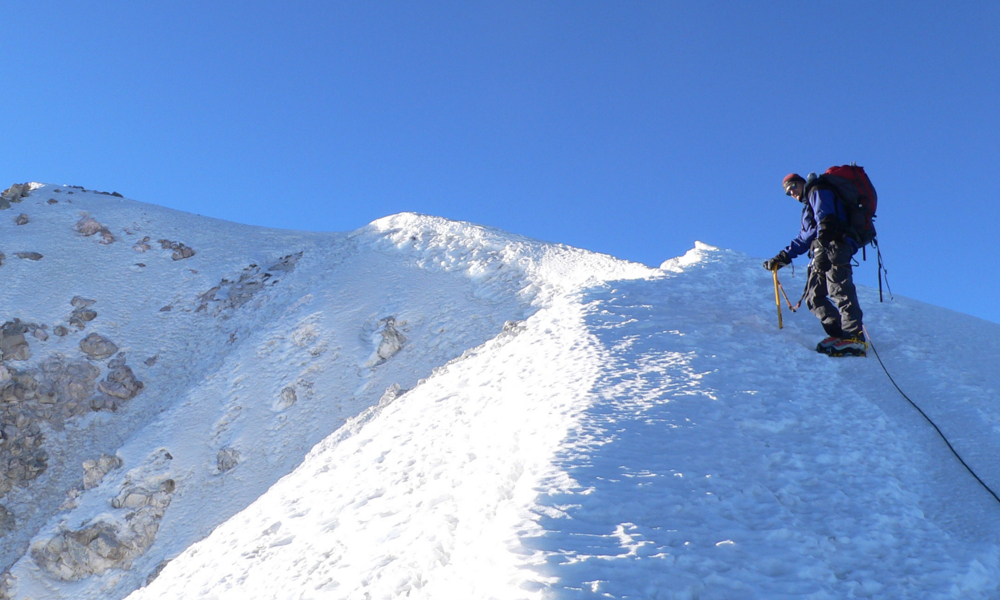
777,298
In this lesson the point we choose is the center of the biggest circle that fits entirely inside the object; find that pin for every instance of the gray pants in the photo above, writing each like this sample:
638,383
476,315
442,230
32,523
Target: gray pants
842,317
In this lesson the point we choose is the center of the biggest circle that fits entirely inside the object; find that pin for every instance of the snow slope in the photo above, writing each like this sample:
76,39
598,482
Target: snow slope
534,421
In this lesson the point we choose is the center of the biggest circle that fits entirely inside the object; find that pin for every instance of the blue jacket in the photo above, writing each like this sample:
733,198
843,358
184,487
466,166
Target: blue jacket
822,211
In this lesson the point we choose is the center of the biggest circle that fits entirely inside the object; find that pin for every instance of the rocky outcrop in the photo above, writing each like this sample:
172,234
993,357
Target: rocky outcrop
287,398
21,219
96,346
118,538
120,382
232,294
68,386
181,251
29,255
7,521
22,459
13,345
286,263
392,341
52,393
119,386
14,194
95,470
82,312
89,226
227,459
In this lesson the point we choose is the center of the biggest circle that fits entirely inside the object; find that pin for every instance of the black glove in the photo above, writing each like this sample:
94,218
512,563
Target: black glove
780,259
821,260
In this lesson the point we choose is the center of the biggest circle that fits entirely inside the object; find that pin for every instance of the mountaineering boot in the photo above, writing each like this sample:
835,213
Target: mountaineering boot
850,346
826,345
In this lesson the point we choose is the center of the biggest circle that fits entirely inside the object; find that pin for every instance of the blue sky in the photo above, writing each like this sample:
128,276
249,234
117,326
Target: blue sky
627,128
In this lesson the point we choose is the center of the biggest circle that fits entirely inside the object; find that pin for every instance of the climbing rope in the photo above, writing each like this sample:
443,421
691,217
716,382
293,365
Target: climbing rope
934,425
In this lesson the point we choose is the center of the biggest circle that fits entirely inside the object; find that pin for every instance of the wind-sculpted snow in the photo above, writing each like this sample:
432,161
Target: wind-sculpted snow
722,459
249,350
683,447
430,409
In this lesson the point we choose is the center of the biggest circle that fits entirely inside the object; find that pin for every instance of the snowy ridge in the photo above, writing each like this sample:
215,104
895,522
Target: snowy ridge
430,409
254,357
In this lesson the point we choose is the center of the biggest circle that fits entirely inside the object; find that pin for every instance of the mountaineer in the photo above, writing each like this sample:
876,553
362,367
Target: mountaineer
824,235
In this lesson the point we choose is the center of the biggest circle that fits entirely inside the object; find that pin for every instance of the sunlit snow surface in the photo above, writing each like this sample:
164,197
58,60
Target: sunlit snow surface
631,433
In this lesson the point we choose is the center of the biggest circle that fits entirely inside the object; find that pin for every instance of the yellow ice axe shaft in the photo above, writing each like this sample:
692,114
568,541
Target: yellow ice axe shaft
777,298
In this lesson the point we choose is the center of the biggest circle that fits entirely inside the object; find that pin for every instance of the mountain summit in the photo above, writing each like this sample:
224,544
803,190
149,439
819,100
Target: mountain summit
426,408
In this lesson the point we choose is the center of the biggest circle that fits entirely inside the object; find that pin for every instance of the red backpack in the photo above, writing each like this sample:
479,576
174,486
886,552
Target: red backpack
855,189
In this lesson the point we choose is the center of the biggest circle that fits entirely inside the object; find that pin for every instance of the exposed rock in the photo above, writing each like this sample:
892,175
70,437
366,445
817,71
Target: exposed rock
21,457
2,257
391,343
29,255
95,470
149,362
118,361
77,381
167,308
104,402
96,346
7,521
88,226
115,194
85,314
121,383
181,251
40,334
52,200
13,345
286,263
143,245
22,219
287,399
73,555
82,314
227,459
14,194
117,539
81,302
60,330
139,497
